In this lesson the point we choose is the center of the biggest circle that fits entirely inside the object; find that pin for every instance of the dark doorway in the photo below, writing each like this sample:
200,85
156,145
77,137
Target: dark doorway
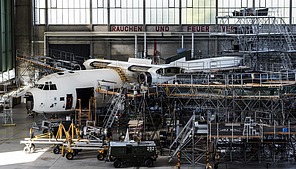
77,49
84,94
69,101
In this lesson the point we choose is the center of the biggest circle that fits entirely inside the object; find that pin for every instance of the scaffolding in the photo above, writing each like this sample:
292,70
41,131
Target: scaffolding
83,115
266,42
134,106
7,117
249,116
191,142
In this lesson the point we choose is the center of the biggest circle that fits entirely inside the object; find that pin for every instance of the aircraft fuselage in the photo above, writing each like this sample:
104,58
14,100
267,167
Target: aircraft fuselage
59,92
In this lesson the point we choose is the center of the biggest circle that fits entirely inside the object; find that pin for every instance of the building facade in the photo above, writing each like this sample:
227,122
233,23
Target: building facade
118,29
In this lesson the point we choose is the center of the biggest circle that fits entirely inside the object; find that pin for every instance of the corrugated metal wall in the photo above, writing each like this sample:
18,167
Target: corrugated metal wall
7,60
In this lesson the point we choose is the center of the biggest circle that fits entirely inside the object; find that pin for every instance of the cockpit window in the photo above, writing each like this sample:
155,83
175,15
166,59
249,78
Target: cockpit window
39,86
53,87
47,86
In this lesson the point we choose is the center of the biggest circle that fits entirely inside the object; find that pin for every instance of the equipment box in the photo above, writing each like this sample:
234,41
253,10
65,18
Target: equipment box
132,152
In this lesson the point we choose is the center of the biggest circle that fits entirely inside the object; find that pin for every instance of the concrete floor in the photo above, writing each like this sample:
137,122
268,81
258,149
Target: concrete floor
12,155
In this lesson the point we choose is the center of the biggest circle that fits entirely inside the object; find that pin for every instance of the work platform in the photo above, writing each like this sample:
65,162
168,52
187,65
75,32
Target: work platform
248,141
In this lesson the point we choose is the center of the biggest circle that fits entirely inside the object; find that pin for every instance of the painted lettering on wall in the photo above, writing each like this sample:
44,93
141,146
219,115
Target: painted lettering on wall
162,28
126,28
198,28
228,28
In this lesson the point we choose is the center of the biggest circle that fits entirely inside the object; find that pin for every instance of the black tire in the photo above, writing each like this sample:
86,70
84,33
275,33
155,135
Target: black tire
148,162
69,156
33,147
56,150
100,156
117,163
27,150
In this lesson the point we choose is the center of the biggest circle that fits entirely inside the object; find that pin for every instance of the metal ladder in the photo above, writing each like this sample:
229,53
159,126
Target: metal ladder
116,105
284,30
7,113
183,137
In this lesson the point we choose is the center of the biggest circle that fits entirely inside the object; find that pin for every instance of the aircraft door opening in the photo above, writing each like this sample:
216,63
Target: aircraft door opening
84,94
69,101
29,103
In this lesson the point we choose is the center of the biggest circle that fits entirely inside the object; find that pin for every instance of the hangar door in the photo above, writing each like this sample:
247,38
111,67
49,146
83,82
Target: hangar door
84,94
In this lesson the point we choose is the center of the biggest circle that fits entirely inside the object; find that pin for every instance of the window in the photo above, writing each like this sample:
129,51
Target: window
39,12
46,87
198,11
172,4
70,12
189,3
126,12
279,8
40,86
100,3
53,87
157,11
53,4
162,12
117,3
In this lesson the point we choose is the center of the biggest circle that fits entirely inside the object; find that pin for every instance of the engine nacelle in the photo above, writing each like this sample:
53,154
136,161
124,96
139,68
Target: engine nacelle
145,77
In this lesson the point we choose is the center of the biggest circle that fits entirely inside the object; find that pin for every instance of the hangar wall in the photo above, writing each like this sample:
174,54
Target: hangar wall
7,61
38,17
23,22
29,37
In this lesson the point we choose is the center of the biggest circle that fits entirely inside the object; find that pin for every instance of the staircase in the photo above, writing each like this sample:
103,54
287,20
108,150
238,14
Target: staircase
183,138
116,105
284,30
122,74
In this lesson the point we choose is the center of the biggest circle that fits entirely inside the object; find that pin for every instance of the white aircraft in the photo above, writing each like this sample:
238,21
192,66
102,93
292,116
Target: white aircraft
58,92
145,65
138,70
208,64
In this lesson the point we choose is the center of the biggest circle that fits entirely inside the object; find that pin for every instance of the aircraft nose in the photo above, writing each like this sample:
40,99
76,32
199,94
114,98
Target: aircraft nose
29,102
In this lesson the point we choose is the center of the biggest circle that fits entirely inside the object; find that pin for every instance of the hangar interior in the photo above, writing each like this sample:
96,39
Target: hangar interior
202,118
